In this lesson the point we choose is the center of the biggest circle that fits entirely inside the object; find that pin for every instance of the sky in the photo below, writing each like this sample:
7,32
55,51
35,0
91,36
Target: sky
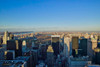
50,15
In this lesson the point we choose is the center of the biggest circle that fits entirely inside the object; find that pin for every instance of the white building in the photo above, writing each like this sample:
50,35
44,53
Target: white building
67,46
5,37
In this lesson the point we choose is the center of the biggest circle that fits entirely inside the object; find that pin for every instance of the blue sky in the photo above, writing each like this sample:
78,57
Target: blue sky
50,15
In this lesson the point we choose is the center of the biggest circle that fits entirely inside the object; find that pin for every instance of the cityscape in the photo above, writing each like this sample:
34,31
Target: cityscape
49,33
50,49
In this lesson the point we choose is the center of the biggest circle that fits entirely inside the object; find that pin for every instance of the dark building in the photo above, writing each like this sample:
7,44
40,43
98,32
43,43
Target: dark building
43,51
1,41
13,63
97,55
75,46
27,59
83,47
97,52
10,55
56,44
15,45
35,57
28,53
98,43
2,49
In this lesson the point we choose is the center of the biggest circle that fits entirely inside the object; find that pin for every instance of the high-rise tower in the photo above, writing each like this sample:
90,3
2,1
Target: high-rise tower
5,37
83,46
56,44
75,45
15,45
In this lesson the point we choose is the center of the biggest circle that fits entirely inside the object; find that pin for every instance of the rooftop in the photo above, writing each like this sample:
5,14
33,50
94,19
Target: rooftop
55,35
84,58
22,58
9,63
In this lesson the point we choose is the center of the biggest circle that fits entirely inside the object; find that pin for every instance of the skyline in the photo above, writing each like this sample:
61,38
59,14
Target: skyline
50,15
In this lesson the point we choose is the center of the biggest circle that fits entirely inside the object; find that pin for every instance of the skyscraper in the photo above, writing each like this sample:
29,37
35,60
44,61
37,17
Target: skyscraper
2,53
50,56
10,55
1,40
75,46
15,45
5,37
97,55
67,46
24,47
98,43
83,46
97,52
56,44
11,36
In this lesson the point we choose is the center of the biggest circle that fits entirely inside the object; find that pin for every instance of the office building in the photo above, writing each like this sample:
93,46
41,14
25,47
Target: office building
94,43
98,43
90,48
24,47
75,43
50,56
9,55
15,45
67,46
5,37
55,41
97,52
75,46
2,53
97,55
1,40
11,36
27,59
35,56
83,46
43,51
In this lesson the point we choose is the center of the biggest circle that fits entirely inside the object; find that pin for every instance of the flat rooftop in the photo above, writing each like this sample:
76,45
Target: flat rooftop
22,58
9,63
80,58
55,35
